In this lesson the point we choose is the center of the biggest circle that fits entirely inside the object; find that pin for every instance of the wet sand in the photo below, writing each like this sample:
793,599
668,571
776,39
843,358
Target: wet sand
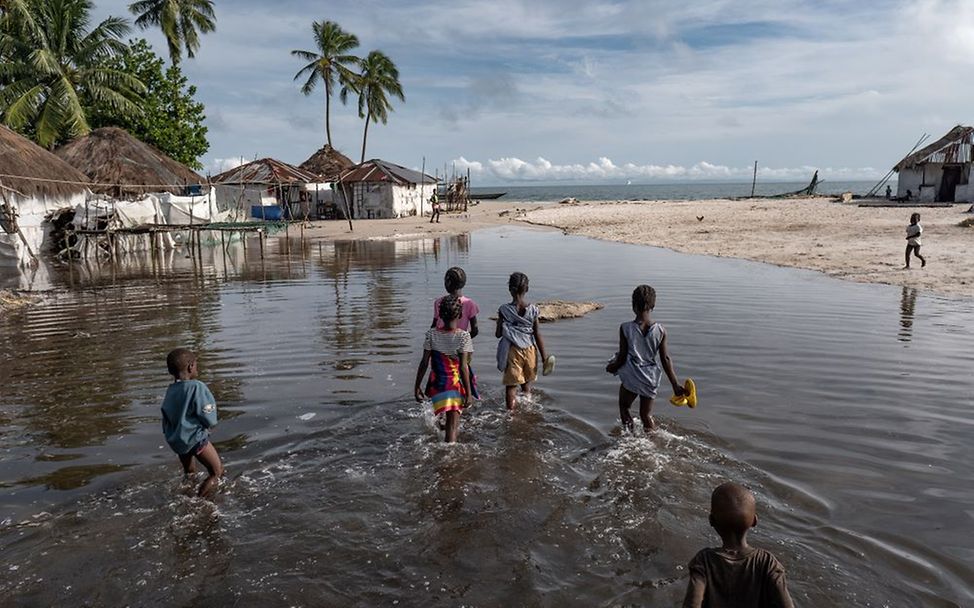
842,240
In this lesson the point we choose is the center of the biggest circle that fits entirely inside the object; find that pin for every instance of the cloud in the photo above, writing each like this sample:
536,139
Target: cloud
513,169
219,165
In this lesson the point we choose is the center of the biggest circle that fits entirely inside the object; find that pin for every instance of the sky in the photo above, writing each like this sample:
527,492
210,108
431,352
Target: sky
594,91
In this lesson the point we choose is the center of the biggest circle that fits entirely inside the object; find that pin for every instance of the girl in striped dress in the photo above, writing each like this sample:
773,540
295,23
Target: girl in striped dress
447,352
641,342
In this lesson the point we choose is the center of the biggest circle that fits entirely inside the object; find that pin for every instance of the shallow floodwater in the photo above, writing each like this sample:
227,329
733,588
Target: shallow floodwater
847,408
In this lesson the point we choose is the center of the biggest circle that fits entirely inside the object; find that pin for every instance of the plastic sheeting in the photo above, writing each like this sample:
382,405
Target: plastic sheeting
21,250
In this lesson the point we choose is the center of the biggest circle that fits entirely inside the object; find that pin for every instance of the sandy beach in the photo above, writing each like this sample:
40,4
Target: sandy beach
842,240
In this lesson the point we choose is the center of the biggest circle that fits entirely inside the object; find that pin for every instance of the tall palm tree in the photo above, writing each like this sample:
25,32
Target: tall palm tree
378,78
181,22
330,61
54,69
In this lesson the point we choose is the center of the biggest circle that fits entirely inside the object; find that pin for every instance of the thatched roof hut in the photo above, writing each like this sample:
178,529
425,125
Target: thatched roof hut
328,163
21,159
125,166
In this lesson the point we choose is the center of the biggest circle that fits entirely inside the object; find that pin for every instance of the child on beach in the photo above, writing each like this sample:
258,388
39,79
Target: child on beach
188,413
520,341
913,232
640,342
447,353
736,574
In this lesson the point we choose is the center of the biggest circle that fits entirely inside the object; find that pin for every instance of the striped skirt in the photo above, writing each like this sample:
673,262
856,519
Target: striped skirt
445,386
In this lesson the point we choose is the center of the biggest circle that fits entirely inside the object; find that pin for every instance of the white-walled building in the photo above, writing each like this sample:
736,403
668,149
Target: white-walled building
940,172
379,189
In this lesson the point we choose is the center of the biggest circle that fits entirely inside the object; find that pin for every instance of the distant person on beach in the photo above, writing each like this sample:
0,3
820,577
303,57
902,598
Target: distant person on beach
735,574
889,192
913,232
641,341
447,352
520,341
435,204
188,414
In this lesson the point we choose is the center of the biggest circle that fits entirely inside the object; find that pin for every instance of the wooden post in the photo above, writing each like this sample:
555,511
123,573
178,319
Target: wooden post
422,188
260,237
754,181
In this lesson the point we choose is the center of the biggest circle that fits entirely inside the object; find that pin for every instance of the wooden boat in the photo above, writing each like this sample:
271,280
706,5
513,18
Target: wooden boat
486,196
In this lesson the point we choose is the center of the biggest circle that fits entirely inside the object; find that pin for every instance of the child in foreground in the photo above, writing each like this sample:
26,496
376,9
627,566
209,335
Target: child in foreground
188,414
520,340
640,342
913,232
447,353
736,574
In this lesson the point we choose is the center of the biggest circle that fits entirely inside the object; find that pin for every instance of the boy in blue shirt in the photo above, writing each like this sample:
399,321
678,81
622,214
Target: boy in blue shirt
188,412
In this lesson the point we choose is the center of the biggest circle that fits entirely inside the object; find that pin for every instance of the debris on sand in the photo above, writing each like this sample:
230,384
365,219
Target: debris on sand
556,310
571,200
11,300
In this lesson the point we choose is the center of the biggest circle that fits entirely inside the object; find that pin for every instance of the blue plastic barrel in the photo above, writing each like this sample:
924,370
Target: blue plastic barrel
266,212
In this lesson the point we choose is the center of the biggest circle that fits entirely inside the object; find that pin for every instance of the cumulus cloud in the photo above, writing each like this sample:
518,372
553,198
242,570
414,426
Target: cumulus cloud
513,169
219,165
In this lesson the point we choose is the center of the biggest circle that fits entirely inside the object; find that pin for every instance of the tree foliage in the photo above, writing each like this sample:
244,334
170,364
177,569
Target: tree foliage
53,69
378,79
181,22
171,119
329,62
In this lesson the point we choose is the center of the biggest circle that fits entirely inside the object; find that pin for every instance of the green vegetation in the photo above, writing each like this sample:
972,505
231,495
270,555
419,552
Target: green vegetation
181,22
329,61
54,69
378,79
171,119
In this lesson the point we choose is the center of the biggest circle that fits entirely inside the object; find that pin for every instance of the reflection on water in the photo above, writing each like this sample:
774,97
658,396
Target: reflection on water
339,491
908,302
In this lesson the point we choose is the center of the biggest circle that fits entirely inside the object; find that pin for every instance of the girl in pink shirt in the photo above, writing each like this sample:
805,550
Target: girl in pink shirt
454,281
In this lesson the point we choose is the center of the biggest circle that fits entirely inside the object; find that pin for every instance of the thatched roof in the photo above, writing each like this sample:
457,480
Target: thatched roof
327,163
954,147
111,156
21,158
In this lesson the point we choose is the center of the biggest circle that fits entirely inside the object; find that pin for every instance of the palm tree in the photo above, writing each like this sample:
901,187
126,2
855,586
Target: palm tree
54,69
181,22
378,78
331,59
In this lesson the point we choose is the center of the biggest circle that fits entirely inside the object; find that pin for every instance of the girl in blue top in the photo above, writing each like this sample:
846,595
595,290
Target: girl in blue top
641,341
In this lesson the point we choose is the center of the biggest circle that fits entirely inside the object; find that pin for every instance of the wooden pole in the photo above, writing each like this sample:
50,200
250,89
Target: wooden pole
754,181
422,188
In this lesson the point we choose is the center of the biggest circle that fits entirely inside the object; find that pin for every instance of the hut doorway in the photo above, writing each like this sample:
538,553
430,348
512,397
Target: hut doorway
949,182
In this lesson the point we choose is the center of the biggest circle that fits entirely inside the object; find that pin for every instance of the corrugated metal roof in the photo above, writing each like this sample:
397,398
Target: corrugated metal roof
266,171
954,147
376,170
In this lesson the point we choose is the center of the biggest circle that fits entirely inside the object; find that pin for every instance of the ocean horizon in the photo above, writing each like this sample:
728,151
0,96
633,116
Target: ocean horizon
665,191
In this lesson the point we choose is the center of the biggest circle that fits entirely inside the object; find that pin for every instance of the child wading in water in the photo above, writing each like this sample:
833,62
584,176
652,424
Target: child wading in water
447,353
736,574
188,414
913,232
454,281
517,328
640,341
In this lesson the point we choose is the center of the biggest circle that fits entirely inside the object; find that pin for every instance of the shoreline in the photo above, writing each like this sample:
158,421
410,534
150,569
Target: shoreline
840,240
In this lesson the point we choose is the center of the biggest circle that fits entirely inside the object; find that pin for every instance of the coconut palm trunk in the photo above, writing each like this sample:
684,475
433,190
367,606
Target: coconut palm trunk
365,137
